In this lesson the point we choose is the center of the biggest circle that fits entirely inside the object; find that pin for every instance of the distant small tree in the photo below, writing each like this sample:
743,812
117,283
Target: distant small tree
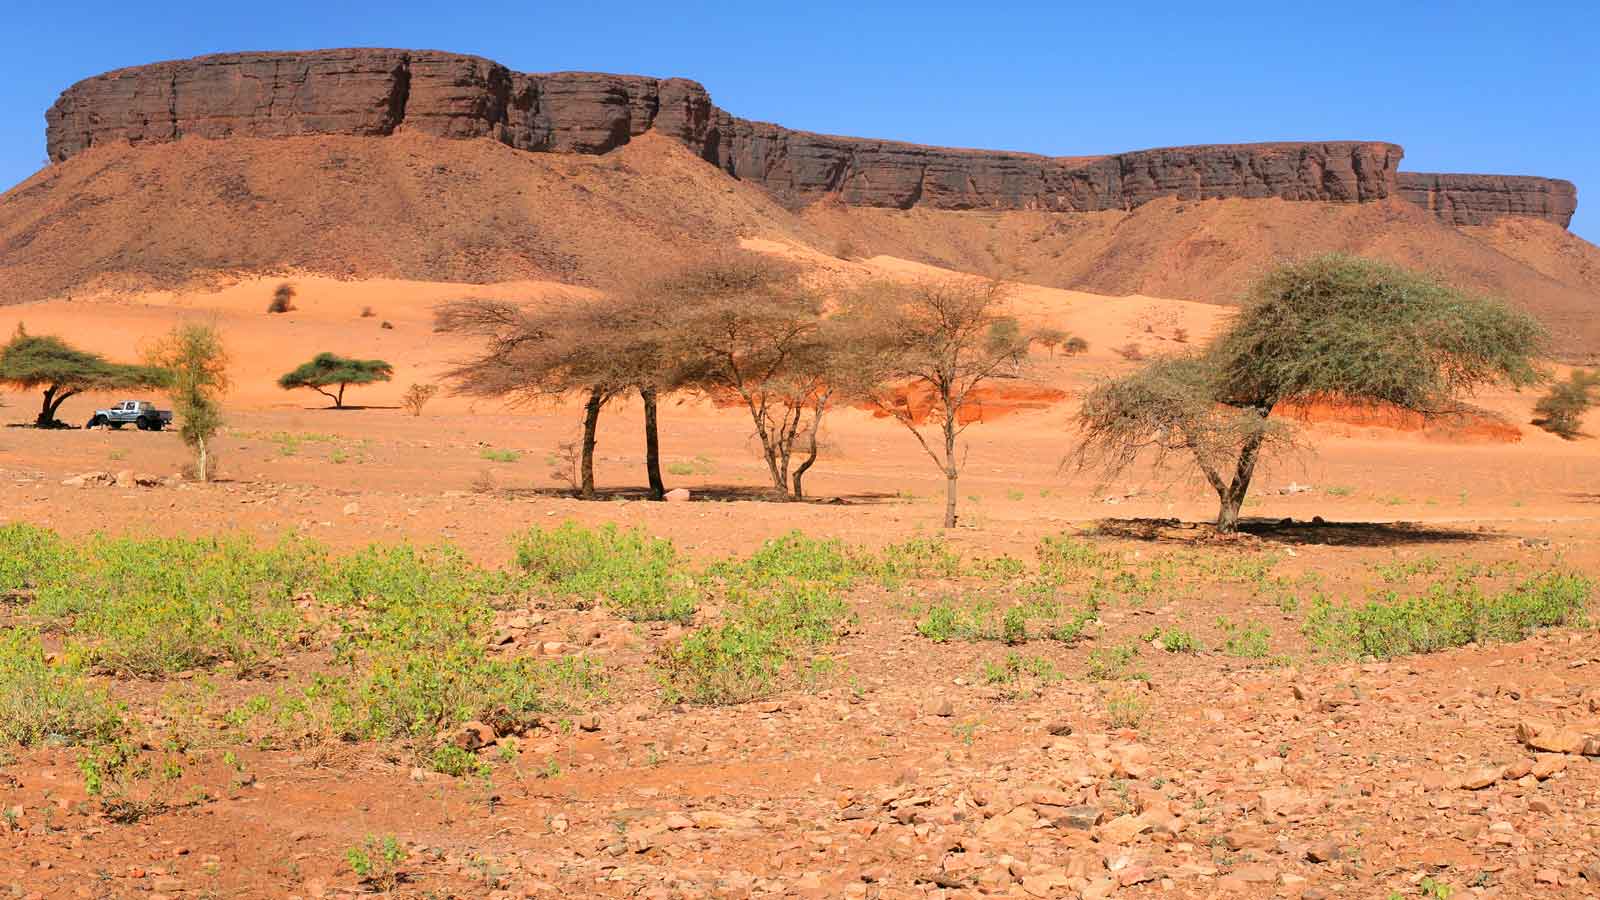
1336,327
29,362
327,370
417,396
947,337
1561,410
194,356
1049,339
282,299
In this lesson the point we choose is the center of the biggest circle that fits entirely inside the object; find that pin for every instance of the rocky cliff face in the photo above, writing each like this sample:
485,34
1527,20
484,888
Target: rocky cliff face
1478,199
377,92
801,168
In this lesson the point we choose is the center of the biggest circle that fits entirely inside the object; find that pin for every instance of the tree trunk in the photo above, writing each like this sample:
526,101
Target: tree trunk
652,445
591,422
1233,497
338,402
200,463
48,411
950,471
52,405
812,445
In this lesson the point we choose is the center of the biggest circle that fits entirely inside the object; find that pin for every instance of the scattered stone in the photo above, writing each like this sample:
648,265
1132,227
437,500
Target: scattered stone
1060,729
941,707
474,736
677,495
1323,851
1123,829
1546,736
1482,777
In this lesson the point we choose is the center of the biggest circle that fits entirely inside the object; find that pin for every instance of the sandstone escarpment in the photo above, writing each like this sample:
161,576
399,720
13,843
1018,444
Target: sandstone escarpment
1479,199
801,167
366,92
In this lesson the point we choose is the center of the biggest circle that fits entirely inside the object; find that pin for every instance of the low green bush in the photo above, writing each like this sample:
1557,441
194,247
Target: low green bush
40,701
638,576
1448,615
152,606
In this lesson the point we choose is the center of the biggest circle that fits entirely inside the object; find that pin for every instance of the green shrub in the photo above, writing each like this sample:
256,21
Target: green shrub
377,862
1126,709
158,605
1065,556
1174,640
1112,663
637,575
504,456
39,700
783,604
918,557
745,657
1251,640
980,619
1561,410
28,555
795,557
1448,615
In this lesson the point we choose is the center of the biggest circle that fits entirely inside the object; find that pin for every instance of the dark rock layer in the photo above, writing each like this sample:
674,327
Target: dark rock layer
1476,199
375,92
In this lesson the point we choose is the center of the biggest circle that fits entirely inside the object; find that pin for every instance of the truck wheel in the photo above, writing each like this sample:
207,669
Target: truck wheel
96,422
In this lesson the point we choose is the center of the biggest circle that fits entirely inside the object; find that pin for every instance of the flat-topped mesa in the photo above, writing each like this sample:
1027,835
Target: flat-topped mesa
374,92
1480,199
368,93
800,168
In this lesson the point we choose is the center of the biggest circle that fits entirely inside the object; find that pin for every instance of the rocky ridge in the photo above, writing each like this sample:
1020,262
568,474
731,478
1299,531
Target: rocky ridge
377,92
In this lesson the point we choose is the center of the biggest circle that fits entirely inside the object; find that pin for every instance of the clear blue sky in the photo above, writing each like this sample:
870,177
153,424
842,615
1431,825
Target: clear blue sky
1465,87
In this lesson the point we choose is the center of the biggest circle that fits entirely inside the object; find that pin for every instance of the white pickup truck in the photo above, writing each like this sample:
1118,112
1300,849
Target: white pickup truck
142,413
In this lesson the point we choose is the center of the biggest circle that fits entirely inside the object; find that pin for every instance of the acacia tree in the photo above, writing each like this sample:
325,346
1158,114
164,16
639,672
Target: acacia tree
1561,410
746,325
1331,327
29,362
193,355
327,370
600,348
944,337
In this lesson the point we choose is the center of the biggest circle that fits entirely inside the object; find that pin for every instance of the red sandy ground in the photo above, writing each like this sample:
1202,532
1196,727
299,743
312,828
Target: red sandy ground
919,782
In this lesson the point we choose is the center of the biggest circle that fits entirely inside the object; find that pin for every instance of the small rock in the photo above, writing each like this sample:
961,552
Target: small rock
1546,736
1060,729
473,735
352,508
677,495
941,707
1482,777
1547,876
1123,829
1323,851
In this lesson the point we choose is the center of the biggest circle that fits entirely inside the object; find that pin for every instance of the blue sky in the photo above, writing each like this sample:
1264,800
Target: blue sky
1464,87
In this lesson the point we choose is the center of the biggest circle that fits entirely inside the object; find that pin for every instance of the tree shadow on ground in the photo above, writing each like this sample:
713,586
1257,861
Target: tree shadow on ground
1288,531
1584,498
715,493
